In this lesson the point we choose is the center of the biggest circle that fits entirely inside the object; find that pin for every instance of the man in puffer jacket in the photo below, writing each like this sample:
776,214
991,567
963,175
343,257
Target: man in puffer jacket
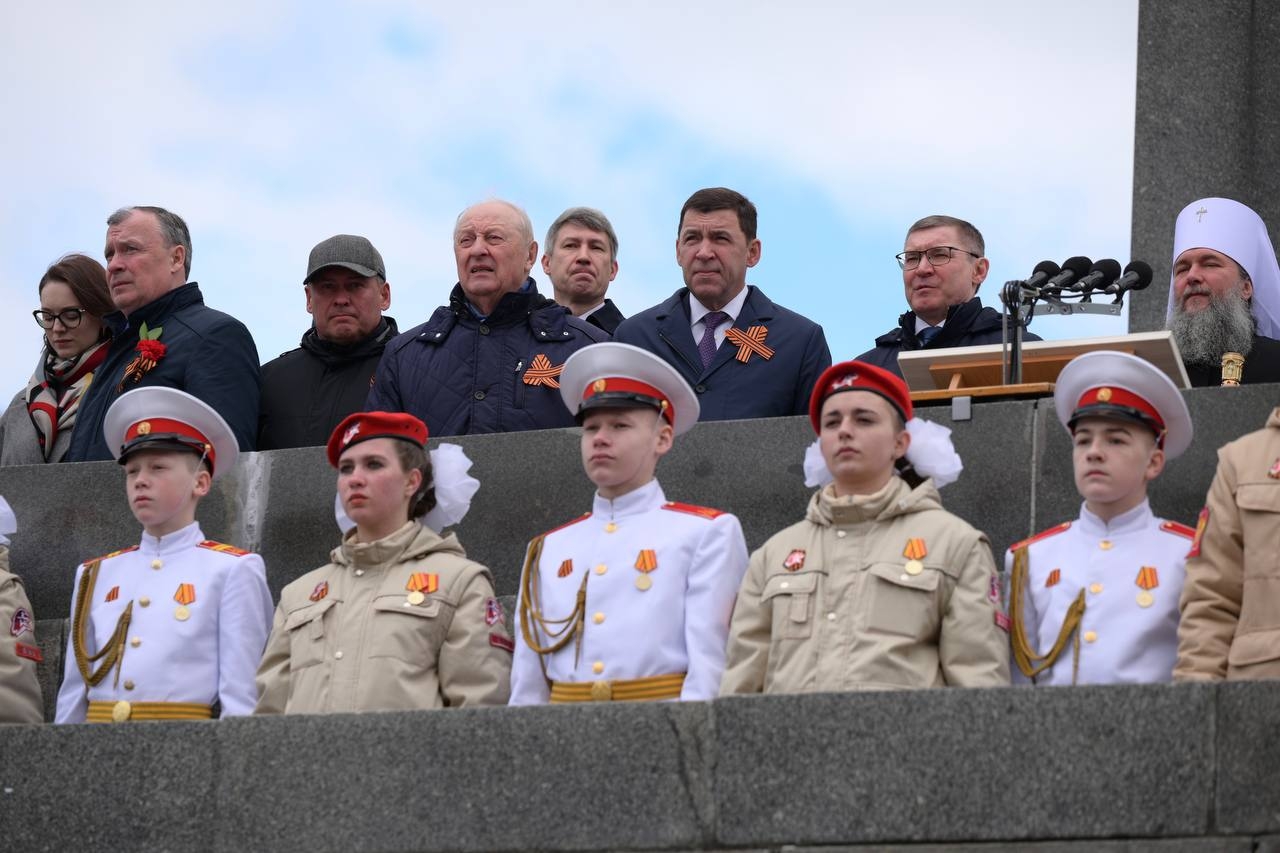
490,360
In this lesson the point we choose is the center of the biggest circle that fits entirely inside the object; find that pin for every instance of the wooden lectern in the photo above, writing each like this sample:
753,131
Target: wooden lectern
943,374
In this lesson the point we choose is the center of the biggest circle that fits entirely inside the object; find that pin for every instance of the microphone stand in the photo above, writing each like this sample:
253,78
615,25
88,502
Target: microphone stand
1019,301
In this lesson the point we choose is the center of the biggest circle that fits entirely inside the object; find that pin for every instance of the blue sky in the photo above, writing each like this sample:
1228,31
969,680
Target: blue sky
272,126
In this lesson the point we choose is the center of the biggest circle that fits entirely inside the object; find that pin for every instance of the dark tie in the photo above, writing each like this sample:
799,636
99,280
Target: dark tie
927,334
707,346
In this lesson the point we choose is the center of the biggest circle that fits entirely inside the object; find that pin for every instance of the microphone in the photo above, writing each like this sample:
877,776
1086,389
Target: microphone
1044,271
1072,269
1103,271
1136,276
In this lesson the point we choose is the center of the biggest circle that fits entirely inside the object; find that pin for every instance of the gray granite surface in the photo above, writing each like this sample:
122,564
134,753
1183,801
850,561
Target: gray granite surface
1248,746
965,764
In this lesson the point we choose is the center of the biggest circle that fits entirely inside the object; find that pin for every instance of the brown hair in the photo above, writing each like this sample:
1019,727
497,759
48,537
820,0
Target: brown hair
722,198
87,280
412,456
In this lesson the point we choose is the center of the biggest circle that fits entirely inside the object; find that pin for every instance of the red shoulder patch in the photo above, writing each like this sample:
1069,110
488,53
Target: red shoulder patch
582,517
114,554
224,548
691,509
1180,529
1043,534
22,650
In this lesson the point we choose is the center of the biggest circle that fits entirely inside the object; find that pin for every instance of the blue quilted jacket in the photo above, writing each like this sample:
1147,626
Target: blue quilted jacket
463,375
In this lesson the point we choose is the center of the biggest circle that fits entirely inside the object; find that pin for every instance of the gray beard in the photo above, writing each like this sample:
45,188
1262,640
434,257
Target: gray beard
1226,325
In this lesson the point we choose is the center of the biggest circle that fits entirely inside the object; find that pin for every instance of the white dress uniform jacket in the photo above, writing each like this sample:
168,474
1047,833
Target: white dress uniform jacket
1121,641
209,657
679,624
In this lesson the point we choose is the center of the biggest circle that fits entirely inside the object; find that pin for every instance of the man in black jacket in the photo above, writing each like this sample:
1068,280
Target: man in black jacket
943,265
307,391
581,259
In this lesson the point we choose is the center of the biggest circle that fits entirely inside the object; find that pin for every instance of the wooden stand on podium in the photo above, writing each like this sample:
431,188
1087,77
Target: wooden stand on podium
944,374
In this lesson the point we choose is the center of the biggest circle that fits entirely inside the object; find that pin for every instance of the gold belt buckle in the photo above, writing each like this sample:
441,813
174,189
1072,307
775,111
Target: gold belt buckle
121,711
601,691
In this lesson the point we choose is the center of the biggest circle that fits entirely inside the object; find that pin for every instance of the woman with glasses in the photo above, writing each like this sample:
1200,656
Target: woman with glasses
37,425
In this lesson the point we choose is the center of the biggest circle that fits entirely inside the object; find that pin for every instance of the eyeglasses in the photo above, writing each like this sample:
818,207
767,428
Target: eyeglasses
937,256
70,317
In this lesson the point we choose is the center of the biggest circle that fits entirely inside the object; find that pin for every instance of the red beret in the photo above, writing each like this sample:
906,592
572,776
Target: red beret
363,426
858,376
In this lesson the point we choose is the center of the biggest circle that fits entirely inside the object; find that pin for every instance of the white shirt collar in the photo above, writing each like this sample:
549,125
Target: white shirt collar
697,310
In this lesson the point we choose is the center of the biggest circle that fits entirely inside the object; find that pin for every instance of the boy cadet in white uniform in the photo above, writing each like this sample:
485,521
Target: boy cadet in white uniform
632,600
1107,584
165,629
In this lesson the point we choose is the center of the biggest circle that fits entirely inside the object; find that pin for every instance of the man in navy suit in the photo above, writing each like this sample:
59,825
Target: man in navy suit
745,356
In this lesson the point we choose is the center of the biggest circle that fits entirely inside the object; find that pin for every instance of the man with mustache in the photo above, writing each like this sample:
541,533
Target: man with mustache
307,391
943,265
772,356
1224,294
490,360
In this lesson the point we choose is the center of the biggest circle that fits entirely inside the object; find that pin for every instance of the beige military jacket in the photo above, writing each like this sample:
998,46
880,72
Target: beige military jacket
403,623
20,698
1230,604
832,604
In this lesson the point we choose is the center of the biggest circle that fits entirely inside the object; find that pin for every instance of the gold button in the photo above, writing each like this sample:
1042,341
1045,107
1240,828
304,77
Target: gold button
598,618
155,564
610,527
1095,588
1105,544
601,569
135,642
601,691
337,655
597,667
1090,636
128,685
121,711
144,601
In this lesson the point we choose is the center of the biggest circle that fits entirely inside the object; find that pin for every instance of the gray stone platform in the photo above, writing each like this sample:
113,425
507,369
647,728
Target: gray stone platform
1191,766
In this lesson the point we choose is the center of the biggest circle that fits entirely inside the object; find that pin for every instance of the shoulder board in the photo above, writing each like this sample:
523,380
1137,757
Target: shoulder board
691,509
1179,529
224,548
1043,534
582,517
113,554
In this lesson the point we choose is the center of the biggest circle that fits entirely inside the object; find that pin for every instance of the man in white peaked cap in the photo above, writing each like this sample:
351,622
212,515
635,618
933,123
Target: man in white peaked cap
1224,295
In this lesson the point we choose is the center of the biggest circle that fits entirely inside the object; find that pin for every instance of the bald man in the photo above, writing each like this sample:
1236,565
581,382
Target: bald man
490,360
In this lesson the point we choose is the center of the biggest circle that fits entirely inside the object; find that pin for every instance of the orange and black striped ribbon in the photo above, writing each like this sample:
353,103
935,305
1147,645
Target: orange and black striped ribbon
566,569
647,561
113,593
542,372
1054,577
915,549
423,582
1148,578
750,341
186,594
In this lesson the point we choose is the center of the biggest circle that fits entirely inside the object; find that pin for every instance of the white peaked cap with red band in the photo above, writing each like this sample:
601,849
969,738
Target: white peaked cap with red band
614,375
158,418
1117,385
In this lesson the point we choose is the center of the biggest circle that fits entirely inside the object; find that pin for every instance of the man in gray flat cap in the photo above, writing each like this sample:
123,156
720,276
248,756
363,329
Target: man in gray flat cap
308,390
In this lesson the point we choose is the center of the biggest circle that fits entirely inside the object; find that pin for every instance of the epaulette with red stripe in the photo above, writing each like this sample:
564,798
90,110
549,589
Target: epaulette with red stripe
1180,529
224,548
1043,534
582,517
114,554
691,509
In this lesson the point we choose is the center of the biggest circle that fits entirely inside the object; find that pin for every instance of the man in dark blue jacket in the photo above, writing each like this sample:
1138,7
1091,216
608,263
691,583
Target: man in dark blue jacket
943,265
163,334
773,356
490,360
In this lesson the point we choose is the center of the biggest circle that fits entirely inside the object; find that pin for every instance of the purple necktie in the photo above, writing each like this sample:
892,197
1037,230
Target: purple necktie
707,346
